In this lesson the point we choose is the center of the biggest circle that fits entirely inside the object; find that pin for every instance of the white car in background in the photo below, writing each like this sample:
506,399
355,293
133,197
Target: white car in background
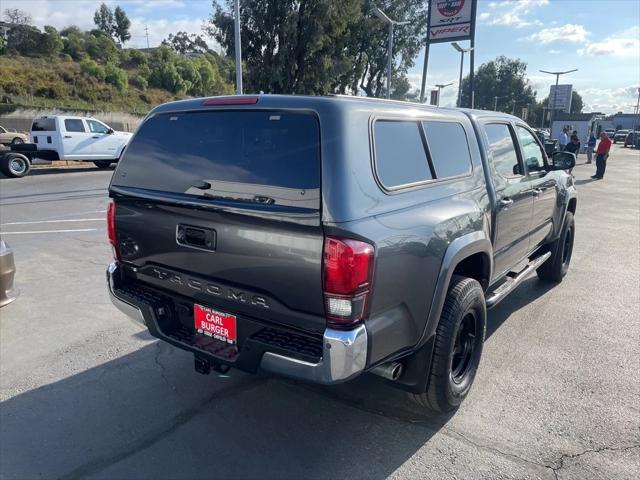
60,137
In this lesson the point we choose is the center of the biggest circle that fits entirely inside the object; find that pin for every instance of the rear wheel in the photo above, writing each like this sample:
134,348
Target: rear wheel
557,266
16,141
15,165
102,163
458,347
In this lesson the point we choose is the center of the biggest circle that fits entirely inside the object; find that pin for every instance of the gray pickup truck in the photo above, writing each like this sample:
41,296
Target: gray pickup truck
323,237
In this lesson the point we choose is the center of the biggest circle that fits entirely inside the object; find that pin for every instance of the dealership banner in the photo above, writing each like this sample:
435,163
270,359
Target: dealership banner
451,20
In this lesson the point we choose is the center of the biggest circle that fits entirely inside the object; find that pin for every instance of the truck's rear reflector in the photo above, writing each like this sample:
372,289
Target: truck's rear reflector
111,229
237,100
348,272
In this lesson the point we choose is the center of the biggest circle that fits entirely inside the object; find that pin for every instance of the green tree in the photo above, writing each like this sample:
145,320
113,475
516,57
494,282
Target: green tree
164,73
51,43
24,39
103,18
2,45
504,78
320,46
73,40
182,43
100,46
121,25
91,68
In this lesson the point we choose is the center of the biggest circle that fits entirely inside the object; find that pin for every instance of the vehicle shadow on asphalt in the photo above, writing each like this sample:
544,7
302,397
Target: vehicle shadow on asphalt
149,415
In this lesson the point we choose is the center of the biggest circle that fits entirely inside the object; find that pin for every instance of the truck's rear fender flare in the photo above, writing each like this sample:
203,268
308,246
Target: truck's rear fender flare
459,250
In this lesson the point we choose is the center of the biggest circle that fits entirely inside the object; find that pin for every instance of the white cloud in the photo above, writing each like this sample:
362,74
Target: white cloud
622,44
513,13
567,33
610,100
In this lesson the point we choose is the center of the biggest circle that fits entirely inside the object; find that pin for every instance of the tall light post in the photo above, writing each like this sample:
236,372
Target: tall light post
238,48
495,101
555,93
440,87
462,51
383,16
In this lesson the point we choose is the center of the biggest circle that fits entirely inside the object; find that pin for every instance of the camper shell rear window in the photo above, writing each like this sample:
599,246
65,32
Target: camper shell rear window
44,125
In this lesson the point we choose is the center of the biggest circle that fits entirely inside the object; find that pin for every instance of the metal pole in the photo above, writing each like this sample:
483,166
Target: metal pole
424,72
460,80
389,60
637,126
438,100
495,104
238,48
553,106
472,55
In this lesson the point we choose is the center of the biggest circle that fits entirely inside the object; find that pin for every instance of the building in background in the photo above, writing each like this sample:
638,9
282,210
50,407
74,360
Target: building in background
584,123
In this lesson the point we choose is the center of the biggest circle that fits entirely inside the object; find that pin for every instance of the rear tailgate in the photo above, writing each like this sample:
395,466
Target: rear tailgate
223,208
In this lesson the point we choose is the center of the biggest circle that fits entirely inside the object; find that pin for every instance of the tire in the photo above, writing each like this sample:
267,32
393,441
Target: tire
16,141
102,163
15,165
458,347
557,266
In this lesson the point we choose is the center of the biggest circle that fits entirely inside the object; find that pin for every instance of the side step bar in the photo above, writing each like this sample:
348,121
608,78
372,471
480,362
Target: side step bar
513,281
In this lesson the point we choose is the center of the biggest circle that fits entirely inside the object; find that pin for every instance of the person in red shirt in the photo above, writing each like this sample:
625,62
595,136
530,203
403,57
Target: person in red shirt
602,153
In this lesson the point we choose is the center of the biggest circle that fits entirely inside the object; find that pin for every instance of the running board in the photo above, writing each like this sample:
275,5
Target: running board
512,282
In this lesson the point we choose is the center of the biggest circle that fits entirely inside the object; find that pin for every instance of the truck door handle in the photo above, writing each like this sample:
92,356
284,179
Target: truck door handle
67,136
96,136
537,191
505,202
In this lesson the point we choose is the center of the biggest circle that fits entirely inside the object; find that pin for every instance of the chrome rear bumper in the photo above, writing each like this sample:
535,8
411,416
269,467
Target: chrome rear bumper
344,353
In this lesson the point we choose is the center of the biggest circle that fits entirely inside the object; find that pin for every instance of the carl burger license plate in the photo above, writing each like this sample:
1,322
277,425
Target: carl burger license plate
219,325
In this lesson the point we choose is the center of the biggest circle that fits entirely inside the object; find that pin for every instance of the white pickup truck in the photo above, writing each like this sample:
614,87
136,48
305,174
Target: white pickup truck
78,138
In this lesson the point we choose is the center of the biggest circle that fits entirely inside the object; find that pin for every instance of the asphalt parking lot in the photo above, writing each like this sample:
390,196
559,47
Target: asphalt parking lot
87,394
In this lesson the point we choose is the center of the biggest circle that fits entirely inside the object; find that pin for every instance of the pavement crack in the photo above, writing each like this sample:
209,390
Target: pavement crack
128,450
560,463
163,369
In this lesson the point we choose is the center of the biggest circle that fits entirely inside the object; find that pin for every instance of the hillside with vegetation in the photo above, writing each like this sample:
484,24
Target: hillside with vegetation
91,70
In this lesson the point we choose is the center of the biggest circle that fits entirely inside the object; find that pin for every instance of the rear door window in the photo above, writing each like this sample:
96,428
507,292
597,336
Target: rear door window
97,127
503,150
73,125
268,157
43,125
449,148
400,155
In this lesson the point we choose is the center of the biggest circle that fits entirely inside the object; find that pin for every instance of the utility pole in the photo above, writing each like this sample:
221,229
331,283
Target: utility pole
383,16
238,48
146,31
462,52
637,112
555,93
440,87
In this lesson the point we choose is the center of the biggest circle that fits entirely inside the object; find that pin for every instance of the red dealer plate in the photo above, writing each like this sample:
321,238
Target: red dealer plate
215,324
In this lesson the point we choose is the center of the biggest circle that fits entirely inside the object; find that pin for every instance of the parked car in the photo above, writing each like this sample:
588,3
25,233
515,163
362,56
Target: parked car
323,237
8,137
8,292
620,136
630,139
610,132
78,138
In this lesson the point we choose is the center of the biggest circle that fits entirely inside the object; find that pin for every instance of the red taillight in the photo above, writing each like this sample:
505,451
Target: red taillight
348,272
238,100
111,229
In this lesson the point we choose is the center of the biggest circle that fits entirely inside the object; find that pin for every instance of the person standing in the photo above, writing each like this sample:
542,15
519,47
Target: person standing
602,153
591,145
573,146
563,140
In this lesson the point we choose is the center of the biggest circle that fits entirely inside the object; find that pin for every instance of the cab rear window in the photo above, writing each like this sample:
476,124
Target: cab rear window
43,125
269,157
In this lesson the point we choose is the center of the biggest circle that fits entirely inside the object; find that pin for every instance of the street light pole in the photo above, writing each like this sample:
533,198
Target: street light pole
238,48
440,87
383,16
462,52
555,93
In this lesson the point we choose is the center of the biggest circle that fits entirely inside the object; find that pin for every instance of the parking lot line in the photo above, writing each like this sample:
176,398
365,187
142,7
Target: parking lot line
56,221
51,231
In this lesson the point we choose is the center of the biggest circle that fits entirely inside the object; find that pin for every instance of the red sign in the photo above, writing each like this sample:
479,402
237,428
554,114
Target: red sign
219,325
450,8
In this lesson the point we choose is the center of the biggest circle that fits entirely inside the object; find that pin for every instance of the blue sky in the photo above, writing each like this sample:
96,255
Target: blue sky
599,37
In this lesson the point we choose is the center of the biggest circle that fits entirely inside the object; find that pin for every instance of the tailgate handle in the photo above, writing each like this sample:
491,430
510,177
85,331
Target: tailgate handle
196,237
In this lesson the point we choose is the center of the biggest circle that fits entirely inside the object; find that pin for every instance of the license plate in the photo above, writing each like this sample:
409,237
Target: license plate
215,324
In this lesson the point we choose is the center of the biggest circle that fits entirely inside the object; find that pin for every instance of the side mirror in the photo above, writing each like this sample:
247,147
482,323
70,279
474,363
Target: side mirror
563,160
110,131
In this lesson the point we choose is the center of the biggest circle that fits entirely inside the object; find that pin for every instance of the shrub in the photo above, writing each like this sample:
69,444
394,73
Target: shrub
116,77
140,82
137,58
91,68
